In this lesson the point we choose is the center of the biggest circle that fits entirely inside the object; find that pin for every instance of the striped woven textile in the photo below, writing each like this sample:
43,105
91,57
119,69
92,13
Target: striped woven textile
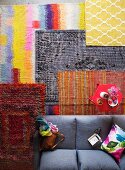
75,88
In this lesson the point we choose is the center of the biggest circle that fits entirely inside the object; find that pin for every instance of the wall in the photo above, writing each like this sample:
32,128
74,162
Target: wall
8,2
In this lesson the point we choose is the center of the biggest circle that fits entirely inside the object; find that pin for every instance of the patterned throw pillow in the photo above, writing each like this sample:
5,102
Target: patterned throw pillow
115,142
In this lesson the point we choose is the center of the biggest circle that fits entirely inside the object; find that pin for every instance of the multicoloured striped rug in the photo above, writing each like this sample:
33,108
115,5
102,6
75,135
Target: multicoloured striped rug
17,26
75,88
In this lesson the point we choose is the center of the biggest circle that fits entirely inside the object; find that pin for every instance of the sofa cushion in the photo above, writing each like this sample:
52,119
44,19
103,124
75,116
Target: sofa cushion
86,125
114,144
67,126
119,120
95,160
62,159
122,162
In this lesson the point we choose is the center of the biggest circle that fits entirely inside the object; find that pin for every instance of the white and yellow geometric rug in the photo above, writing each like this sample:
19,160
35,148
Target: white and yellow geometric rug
105,22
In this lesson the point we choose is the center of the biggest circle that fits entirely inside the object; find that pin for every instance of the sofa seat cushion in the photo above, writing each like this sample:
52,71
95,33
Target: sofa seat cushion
122,162
60,159
95,160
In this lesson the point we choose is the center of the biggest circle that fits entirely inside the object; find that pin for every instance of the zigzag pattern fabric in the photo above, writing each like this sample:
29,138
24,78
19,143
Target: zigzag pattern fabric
105,22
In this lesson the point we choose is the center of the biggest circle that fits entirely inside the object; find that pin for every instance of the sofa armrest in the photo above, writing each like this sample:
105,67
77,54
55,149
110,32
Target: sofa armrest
36,151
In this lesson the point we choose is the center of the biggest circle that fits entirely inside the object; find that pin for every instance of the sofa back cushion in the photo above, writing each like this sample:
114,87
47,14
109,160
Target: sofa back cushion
119,120
67,126
86,125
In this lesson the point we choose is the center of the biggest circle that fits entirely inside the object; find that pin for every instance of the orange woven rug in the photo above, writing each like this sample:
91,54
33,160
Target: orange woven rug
75,88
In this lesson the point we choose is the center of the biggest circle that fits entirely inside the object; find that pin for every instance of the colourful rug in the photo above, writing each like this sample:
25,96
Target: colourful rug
75,88
17,26
105,22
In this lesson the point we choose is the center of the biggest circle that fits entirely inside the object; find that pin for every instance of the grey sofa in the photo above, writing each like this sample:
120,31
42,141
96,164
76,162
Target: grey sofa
75,152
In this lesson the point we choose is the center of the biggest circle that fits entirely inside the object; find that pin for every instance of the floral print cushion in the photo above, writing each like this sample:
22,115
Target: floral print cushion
115,142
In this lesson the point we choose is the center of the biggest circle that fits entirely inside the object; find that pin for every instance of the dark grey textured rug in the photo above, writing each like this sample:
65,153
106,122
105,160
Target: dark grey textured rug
66,50
57,50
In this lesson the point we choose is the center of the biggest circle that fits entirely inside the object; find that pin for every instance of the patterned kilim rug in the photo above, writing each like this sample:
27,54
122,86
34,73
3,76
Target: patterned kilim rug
19,106
75,88
66,50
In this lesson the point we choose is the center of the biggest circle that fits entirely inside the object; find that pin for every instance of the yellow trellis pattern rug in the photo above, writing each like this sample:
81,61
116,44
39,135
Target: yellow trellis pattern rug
105,22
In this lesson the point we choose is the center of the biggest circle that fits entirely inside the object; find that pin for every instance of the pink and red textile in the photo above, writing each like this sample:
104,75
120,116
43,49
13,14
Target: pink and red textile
107,97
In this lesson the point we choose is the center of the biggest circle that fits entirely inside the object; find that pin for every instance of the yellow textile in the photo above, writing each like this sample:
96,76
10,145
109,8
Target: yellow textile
105,22
82,16
3,40
19,27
